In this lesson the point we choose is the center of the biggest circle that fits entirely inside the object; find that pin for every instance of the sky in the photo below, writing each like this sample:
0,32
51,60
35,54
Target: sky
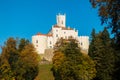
25,18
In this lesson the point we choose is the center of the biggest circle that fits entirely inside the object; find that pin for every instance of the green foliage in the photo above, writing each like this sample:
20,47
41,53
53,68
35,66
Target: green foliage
70,64
92,44
18,60
22,44
103,54
109,11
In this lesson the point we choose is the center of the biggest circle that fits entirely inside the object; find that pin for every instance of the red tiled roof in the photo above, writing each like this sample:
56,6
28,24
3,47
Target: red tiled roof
63,28
40,34
56,26
49,35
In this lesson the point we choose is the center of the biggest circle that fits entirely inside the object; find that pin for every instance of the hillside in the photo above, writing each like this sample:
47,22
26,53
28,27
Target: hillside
45,72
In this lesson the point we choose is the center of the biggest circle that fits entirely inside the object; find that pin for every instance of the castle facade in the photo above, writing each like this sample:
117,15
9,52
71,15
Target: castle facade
47,41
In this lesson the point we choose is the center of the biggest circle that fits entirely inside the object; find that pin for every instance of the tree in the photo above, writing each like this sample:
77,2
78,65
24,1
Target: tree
92,44
29,62
58,60
109,11
18,60
7,60
23,42
103,55
73,65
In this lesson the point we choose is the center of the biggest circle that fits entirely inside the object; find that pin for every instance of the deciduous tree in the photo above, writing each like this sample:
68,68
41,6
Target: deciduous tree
18,60
73,65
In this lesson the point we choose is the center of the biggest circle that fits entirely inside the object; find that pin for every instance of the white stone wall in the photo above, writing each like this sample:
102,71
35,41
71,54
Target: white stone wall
84,42
68,33
56,34
50,42
40,43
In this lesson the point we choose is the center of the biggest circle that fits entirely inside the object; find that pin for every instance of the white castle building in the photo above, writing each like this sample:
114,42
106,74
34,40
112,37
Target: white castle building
47,41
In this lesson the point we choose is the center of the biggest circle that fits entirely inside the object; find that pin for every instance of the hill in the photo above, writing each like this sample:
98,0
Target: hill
45,72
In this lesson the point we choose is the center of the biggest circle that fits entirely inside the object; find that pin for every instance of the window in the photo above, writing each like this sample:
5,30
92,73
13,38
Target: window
81,43
56,35
64,32
56,30
36,41
62,21
50,42
65,37
50,46
36,45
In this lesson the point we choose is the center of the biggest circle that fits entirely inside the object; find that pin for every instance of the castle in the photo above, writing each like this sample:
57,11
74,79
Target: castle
43,42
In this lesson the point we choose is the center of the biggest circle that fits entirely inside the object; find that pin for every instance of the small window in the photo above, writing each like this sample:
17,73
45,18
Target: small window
50,46
81,43
36,41
56,35
36,45
56,30
50,42
65,37
64,32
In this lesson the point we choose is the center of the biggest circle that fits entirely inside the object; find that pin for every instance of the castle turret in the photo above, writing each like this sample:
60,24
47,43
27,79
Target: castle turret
61,20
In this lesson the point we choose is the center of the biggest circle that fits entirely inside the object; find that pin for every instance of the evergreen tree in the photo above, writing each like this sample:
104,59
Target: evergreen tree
92,44
109,11
103,55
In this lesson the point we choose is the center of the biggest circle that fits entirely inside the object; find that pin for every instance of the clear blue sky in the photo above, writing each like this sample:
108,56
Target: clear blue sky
24,18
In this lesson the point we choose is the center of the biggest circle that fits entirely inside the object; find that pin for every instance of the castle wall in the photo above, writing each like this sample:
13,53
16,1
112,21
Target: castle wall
56,34
50,42
40,43
84,42
65,33
69,33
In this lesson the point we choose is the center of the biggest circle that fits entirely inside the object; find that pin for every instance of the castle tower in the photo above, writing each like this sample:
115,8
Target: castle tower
61,20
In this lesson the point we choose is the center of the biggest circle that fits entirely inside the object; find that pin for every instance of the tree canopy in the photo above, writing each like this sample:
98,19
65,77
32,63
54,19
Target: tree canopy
109,12
18,60
70,64
103,54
